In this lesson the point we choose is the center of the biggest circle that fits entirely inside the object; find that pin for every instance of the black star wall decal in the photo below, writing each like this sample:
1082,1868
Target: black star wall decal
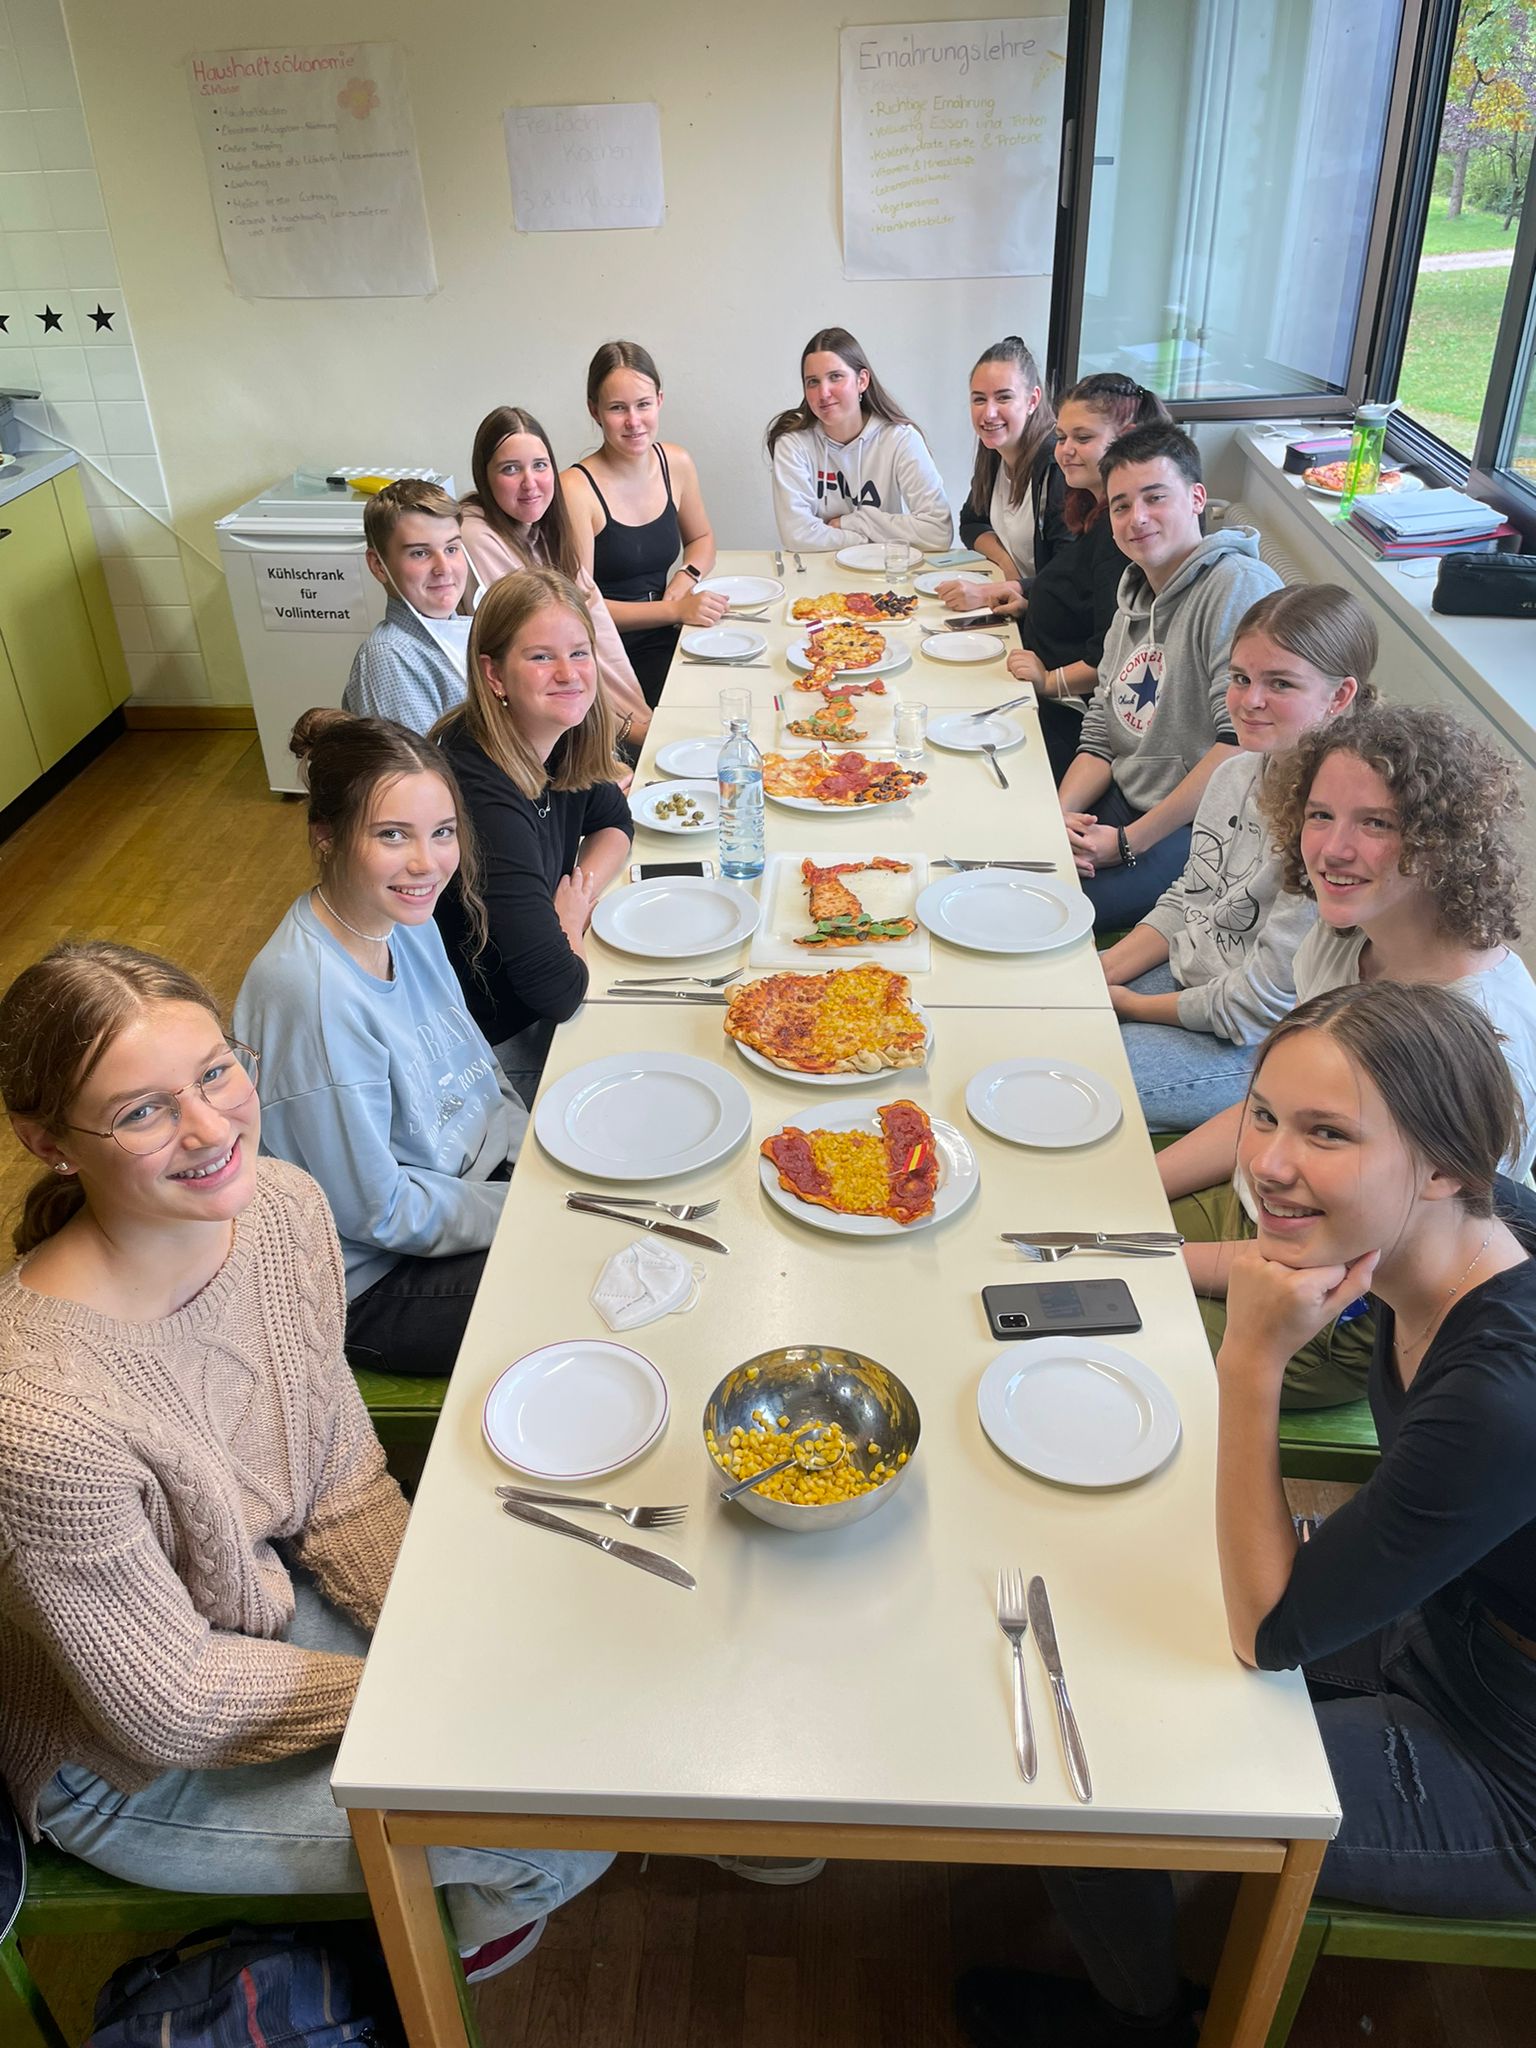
5,321
101,318
50,319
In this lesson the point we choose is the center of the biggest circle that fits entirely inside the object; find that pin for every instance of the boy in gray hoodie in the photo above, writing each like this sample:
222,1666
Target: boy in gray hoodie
1156,729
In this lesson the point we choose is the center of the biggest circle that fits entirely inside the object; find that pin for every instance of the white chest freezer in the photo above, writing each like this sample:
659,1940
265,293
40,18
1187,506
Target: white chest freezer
303,599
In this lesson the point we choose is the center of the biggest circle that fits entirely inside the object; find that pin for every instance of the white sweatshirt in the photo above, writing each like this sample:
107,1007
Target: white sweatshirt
881,486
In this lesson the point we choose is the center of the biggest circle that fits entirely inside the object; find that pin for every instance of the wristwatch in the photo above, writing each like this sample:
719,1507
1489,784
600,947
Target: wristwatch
690,570
1127,858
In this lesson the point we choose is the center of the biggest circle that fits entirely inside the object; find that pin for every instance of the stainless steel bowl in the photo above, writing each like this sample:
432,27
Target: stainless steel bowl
818,1383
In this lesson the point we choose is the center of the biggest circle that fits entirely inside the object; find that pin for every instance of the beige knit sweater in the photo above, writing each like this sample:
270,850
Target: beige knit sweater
153,1479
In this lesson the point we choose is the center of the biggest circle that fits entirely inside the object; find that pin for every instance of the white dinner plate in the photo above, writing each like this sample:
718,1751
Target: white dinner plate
722,643
693,760
870,557
744,592
1053,1103
998,910
889,1075
959,1174
642,1116
810,803
894,657
675,917
575,1409
1078,1410
964,647
1405,482
705,797
929,580
966,735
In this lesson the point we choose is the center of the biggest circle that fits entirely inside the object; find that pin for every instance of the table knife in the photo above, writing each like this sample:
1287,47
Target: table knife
1089,1239
667,995
1043,1629
677,1230
778,561
626,1553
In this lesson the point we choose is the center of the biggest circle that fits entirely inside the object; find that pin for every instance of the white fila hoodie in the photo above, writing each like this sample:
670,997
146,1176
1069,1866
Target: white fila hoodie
881,486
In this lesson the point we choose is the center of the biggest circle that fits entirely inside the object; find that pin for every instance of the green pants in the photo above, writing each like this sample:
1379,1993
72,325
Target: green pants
1324,1373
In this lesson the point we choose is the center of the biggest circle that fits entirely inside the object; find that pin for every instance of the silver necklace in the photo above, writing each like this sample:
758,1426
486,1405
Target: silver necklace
1415,1342
373,938
542,810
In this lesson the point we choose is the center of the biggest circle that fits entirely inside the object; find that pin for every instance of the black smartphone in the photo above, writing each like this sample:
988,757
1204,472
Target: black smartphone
1058,1308
968,624
648,870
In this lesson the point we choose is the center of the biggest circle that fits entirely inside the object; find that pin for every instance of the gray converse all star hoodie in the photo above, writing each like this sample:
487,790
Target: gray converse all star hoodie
1161,700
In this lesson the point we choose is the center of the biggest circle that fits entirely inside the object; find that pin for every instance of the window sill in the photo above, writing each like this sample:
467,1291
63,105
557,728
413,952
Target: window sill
1492,660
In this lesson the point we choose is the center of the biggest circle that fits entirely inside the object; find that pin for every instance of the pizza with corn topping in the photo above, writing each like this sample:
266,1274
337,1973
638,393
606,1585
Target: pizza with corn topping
855,1020
839,780
859,1173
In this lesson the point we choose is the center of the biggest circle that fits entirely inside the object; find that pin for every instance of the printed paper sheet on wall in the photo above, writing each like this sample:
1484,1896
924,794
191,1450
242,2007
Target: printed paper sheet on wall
585,167
311,158
951,134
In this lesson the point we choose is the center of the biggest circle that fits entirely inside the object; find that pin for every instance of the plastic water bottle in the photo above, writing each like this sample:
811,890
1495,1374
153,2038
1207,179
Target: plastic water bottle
741,805
1362,472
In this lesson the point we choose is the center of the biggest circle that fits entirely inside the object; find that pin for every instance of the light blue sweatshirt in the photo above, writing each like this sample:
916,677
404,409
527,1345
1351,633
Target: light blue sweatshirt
385,1091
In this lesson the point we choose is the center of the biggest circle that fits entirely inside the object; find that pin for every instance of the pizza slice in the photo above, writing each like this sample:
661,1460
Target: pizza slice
837,915
855,1020
857,1173
834,721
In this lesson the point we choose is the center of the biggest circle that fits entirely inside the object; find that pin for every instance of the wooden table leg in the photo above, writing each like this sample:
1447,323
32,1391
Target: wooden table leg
1261,1939
405,1909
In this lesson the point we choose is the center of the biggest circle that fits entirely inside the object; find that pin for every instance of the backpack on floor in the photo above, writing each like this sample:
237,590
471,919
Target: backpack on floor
235,1987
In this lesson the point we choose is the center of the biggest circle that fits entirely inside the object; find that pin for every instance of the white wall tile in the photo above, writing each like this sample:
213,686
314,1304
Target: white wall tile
74,199
18,369
61,373
173,628
161,580
40,332
123,586
24,201
61,140
107,299
127,428
78,422
88,258
143,477
42,50
133,626
7,268
147,535
114,372
13,94
169,678
38,260
33,412
18,146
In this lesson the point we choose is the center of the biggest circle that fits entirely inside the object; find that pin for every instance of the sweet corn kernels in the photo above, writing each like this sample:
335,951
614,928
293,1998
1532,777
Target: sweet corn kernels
753,1450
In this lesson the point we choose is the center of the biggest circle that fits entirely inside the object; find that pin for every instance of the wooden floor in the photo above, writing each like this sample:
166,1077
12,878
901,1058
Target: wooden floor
172,841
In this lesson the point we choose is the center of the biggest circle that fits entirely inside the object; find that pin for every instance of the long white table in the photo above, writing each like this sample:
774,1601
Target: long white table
846,1694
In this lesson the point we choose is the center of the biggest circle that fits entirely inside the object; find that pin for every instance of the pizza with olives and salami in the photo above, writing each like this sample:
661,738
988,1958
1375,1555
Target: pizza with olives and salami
838,780
854,604
855,1020
859,1173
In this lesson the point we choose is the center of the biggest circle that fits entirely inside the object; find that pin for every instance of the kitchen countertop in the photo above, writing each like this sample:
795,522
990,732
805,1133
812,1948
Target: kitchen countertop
32,467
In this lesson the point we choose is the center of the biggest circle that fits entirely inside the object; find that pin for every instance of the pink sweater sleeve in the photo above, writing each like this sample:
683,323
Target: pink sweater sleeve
492,558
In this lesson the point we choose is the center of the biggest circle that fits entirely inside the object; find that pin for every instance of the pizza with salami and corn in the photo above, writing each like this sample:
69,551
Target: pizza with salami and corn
894,1174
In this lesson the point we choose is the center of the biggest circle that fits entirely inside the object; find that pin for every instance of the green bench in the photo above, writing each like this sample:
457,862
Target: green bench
66,1898
1337,1930
404,1410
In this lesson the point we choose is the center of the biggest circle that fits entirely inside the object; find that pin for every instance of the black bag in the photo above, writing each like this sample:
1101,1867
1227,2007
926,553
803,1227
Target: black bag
1486,587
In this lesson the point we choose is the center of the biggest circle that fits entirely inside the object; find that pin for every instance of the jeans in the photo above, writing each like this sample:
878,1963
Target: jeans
274,1828
412,1319
1182,1077
1061,728
1430,1731
1122,896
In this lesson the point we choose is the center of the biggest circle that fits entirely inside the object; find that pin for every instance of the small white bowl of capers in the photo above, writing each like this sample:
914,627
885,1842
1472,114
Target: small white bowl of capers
677,807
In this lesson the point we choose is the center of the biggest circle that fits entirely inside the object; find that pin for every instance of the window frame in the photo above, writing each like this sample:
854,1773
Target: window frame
1384,242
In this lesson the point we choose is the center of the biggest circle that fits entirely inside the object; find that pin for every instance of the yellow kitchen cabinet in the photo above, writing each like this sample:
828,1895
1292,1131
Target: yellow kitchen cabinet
45,626
19,765
93,583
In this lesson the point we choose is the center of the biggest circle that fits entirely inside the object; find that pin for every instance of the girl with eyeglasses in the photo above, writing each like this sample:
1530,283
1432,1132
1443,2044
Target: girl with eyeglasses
196,1525
378,1081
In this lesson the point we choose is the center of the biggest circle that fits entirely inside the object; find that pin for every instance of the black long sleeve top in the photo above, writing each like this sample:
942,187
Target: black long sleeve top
1072,601
527,970
1453,1501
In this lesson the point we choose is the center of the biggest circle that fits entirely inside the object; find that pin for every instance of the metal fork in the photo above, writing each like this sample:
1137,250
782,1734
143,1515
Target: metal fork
683,1212
1028,867
637,1518
1052,1254
997,767
667,980
1013,1620
799,566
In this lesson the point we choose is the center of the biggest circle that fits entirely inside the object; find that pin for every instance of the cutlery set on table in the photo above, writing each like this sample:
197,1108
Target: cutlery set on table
1020,1614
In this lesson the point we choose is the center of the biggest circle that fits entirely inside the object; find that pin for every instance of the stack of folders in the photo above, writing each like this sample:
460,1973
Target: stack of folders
1400,524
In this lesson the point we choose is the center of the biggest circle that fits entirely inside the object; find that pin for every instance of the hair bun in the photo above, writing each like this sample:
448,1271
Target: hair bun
314,726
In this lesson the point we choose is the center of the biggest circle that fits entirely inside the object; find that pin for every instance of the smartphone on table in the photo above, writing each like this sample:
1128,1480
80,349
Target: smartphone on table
1060,1308
650,870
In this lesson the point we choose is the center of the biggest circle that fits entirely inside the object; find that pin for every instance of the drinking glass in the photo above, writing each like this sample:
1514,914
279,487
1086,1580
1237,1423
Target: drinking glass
898,562
735,704
911,730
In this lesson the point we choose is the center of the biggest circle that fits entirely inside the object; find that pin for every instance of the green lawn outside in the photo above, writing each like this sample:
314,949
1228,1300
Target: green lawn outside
1449,350
1445,237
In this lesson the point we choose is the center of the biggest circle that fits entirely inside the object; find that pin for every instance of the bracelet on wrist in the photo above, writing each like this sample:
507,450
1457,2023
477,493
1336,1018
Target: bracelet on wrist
690,570
1127,858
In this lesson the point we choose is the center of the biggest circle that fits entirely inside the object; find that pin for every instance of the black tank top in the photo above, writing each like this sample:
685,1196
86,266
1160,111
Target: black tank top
632,563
